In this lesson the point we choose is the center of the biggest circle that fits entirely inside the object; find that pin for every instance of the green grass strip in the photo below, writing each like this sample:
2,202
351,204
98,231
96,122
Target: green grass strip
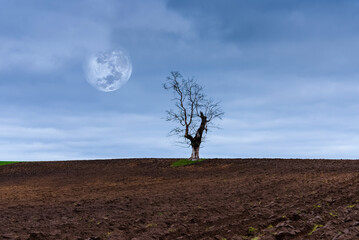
184,162
5,163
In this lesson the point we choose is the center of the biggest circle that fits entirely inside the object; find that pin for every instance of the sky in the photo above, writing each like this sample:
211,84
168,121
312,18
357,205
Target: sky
286,74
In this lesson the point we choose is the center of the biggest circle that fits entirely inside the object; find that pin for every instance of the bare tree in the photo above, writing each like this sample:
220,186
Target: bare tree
193,111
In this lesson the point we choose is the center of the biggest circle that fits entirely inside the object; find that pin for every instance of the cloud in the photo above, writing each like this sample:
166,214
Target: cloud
277,36
68,137
45,39
284,138
308,118
143,17
54,36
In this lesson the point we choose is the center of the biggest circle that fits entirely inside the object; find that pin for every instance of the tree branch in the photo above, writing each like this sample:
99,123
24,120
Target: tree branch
195,112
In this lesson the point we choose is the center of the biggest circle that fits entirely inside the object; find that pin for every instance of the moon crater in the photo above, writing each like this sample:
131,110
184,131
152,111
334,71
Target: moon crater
108,71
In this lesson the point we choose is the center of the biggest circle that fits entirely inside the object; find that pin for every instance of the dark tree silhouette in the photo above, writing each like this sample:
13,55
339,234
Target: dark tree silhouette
194,112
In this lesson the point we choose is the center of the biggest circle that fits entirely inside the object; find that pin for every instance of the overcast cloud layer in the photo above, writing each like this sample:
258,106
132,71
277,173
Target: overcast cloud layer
285,72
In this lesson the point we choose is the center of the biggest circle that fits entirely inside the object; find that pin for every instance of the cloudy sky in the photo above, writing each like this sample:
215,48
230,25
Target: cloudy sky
286,73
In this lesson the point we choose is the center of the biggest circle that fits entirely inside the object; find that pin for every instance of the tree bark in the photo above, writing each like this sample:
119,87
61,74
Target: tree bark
197,140
195,154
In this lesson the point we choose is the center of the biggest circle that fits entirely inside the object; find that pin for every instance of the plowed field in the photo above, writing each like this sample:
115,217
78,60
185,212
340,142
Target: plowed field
149,199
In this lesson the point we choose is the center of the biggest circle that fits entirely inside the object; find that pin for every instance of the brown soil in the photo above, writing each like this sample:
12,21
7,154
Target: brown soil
148,199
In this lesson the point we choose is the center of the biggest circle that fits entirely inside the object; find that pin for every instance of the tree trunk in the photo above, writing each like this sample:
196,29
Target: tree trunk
197,140
195,153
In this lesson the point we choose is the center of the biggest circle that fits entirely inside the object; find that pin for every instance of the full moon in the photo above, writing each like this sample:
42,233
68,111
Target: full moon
108,71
